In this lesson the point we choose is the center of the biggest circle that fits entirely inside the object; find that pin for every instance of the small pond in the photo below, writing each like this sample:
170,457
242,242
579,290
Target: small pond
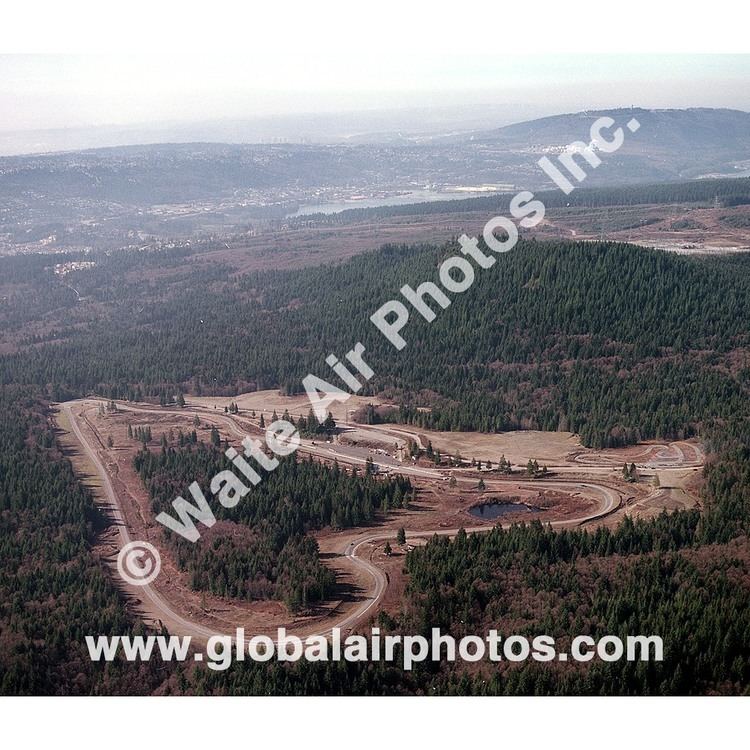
488,511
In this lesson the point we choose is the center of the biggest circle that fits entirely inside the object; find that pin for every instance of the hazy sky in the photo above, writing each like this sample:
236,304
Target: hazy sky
41,92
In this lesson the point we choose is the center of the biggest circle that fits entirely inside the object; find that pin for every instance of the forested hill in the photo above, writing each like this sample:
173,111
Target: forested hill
613,341
667,129
53,588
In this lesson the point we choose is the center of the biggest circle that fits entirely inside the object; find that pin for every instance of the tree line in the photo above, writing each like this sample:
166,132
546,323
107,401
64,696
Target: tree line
727,191
615,342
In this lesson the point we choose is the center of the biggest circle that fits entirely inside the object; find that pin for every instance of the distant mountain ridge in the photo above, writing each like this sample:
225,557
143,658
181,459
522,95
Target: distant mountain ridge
672,144
699,124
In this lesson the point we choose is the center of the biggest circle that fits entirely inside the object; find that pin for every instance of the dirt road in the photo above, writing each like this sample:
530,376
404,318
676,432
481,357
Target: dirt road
608,501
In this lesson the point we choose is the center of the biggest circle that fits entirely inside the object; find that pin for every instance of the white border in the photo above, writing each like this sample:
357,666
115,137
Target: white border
435,27
311,723
303,28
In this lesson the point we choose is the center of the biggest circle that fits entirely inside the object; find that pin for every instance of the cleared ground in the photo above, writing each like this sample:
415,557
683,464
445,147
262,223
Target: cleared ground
582,487
680,227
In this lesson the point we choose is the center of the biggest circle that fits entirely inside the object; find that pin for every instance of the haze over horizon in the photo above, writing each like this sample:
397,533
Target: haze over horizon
70,102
